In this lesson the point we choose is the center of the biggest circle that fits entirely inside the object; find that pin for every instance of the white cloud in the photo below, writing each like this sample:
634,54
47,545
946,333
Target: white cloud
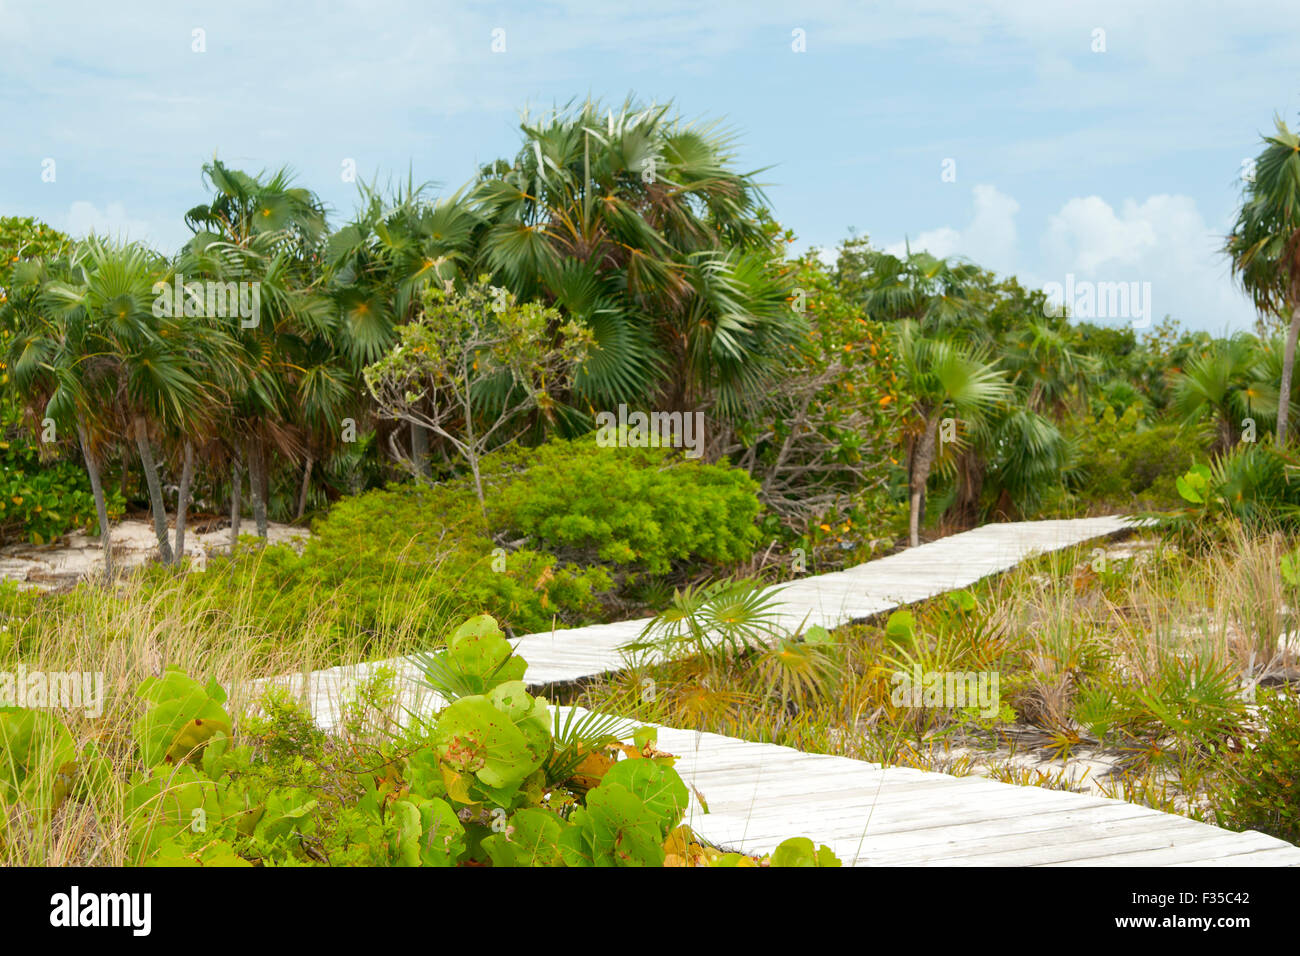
112,221
989,238
1163,240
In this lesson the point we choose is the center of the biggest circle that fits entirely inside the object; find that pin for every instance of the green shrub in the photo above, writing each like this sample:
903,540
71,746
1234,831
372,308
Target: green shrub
41,500
1262,790
404,560
408,559
1253,484
1127,462
638,508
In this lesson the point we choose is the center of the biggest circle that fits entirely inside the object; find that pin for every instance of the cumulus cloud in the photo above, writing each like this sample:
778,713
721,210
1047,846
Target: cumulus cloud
1163,240
989,238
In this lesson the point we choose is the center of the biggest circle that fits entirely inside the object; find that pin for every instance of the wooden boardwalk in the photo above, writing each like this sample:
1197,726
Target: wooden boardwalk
759,794
842,596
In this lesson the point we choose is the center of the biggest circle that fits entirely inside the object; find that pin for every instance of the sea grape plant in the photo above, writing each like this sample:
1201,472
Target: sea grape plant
492,779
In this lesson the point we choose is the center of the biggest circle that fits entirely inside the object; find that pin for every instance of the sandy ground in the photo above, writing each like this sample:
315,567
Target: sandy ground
63,563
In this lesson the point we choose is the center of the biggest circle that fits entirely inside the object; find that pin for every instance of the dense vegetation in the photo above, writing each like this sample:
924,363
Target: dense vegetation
422,385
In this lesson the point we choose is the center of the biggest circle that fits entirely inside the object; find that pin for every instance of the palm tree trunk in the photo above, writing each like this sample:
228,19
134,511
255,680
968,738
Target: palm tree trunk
183,501
920,475
156,504
101,508
125,485
236,496
970,488
1288,370
306,486
257,480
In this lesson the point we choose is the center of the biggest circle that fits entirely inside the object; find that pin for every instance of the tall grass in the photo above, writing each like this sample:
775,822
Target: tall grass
137,630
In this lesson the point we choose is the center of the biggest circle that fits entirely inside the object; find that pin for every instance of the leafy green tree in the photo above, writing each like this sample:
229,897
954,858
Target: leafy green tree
471,363
26,238
824,436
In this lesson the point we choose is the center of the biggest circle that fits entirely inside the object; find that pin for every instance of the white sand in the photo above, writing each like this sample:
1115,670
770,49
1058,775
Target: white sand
134,543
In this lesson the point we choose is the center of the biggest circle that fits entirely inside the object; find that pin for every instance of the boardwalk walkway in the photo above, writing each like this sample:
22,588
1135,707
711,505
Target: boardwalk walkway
759,794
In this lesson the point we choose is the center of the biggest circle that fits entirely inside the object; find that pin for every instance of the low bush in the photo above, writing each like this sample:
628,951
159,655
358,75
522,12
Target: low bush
572,527
639,509
1262,790
42,499
1125,462
1252,487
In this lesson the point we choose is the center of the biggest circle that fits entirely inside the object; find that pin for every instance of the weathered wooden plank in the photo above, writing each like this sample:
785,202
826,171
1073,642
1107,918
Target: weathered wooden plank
758,794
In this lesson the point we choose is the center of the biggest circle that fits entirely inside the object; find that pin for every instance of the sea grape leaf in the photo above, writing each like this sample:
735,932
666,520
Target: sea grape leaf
615,828
30,739
183,716
477,659
532,839
799,851
658,786
442,837
475,736
900,627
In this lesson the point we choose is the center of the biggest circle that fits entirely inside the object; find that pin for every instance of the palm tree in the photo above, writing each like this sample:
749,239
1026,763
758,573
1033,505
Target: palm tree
1224,382
945,379
146,373
379,265
636,224
1263,390
1043,362
1264,245
262,229
56,368
938,293
1025,454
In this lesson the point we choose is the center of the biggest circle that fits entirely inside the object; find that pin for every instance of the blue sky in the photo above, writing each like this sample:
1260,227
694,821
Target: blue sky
1120,165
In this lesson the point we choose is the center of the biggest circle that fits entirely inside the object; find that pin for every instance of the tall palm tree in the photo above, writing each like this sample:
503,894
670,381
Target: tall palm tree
262,229
944,379
1264,245
58,371
636,224
147,374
